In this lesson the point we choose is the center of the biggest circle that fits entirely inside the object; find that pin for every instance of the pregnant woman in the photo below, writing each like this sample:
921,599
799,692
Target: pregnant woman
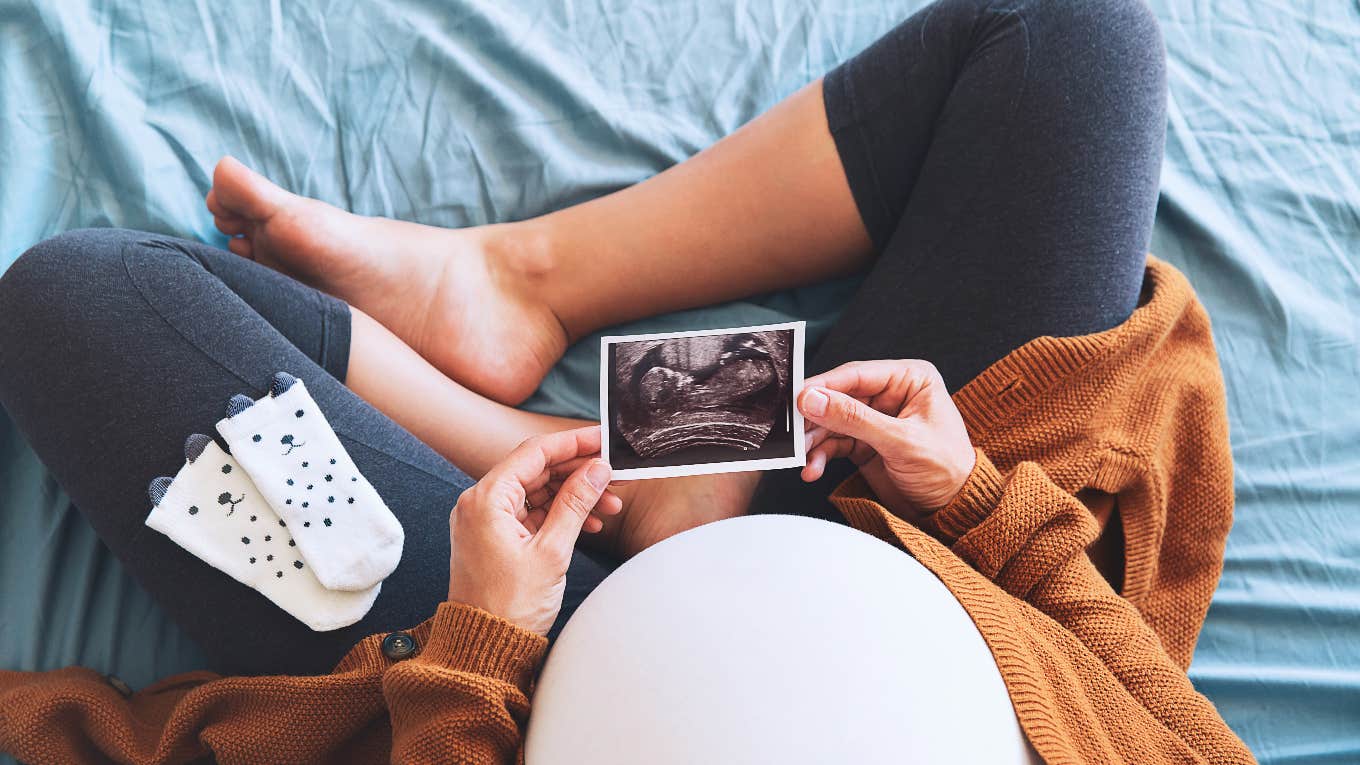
991,167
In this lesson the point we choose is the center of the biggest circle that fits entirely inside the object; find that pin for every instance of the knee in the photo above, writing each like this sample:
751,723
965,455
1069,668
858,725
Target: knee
1103,35
53,268
1117,41
66,273
57,260
1129,24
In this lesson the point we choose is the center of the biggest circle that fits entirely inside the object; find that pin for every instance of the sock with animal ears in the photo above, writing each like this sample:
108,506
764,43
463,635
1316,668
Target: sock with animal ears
213,510
346,533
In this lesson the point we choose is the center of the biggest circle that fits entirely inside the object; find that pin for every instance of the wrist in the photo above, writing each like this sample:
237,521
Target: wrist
470,639
973,504
534,615
469,592
963,468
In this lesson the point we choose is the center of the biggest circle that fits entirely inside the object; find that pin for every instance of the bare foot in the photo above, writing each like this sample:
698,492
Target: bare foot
660,508
450,294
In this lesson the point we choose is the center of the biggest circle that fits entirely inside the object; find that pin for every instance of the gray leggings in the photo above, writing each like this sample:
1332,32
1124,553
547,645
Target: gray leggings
1004,156
118,344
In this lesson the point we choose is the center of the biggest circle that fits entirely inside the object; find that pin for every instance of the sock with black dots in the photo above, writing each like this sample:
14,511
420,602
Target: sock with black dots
344,529
213,510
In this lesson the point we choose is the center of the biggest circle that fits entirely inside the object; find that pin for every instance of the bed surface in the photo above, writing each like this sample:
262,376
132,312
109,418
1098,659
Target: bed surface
465,112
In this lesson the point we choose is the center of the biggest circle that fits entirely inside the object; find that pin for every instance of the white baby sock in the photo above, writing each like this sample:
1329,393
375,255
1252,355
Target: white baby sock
213,510
345,531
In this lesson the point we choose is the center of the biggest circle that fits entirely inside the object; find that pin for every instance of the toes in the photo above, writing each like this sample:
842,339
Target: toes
214,206
227,221
242,192
241,247
230,226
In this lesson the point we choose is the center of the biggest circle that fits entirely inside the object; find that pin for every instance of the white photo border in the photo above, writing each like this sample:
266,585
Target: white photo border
799,458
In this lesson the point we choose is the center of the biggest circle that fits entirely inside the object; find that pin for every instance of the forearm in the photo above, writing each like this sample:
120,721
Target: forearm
465,697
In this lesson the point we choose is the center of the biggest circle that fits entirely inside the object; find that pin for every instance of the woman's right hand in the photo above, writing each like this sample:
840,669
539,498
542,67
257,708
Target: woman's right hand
897,422
512,534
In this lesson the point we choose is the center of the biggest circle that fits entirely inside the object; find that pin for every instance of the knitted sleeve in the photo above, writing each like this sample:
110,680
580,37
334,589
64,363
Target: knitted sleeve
1027,535
465,698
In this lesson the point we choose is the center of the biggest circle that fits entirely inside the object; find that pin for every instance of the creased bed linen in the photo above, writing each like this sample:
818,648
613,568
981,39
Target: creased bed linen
467,112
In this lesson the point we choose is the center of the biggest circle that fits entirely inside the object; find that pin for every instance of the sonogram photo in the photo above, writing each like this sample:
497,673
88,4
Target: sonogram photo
702,402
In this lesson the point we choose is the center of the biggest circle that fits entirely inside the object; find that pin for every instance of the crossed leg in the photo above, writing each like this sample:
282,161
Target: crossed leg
993,164
118,345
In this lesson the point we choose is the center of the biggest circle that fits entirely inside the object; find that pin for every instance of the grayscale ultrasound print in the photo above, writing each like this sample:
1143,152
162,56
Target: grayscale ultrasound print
701,399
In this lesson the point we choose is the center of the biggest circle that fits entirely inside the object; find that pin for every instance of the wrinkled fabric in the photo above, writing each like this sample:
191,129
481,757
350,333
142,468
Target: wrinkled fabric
464,112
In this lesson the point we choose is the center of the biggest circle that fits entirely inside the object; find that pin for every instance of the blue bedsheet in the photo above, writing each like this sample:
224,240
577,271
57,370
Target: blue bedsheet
467,111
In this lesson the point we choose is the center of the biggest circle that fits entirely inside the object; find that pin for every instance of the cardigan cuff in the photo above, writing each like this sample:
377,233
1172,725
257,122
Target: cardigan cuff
468,639
980,495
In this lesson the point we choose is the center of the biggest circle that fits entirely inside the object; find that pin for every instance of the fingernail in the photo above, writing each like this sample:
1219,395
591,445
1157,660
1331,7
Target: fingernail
814,402
598,475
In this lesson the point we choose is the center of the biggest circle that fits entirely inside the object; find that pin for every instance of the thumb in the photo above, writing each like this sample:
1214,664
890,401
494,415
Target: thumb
848,416
573,504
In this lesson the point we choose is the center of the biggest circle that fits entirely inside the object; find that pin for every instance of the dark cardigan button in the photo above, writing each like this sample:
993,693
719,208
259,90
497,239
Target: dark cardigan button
119,685
398,646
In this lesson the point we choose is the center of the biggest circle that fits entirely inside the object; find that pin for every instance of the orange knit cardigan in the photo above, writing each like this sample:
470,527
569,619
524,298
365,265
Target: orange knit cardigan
1136,413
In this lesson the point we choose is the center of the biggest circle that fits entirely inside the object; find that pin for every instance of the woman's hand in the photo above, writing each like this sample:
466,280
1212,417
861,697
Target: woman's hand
895,420
512,534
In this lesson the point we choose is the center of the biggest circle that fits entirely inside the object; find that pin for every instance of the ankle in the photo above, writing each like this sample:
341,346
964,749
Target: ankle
517,252
518,255
524,255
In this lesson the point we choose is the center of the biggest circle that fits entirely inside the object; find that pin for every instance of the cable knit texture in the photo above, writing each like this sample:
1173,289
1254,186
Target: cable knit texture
1137,412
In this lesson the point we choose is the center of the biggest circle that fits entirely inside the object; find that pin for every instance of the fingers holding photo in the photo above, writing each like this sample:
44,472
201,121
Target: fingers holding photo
560,478
531,476
827,446
512,534
897,422
530,464
846,415
539,500
884,384
573,507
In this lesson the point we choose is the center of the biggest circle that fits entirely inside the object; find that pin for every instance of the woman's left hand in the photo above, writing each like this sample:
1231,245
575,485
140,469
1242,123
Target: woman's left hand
512,534
895,420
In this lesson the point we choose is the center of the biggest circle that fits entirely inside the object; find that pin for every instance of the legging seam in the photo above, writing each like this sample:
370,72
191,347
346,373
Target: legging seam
325,310
325,335
859,135
318,299
141,292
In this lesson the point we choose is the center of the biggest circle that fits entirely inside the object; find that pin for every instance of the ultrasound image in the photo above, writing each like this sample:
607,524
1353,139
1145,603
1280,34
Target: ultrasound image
712,397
